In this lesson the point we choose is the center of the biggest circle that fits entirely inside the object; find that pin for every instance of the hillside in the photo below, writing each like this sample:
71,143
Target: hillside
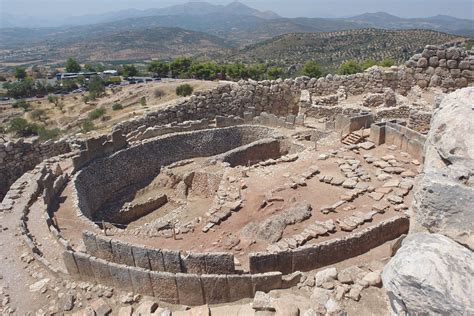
441,23
159,43
332,48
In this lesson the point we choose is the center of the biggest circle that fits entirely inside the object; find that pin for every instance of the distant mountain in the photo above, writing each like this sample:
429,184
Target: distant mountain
442,23
330,49
190,9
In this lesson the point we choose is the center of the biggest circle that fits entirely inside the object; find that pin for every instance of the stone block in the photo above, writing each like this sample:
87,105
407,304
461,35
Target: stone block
189,289
240,286
172,260
140,257
303,258
70,263
104,248
156,260
215,288
84,266
266,282
195,263
141,281
164,286
89,240
262,262
120,276
220,263
100,268
122,253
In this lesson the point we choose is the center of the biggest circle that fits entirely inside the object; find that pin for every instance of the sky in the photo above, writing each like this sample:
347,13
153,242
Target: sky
286,8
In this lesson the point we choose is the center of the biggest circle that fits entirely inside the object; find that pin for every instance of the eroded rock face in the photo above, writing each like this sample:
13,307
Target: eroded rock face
431,274
444,194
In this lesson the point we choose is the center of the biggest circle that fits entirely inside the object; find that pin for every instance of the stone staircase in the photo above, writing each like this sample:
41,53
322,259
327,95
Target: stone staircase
355,137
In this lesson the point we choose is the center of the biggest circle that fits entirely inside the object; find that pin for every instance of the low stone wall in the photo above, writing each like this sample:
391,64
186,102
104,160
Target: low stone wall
353,122
282,97
101,179
99,147
175,288
143,132
252,153
312,257
158,259
18,157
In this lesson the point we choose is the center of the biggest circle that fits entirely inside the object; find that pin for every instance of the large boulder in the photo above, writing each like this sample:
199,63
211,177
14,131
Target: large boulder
444,193
430,274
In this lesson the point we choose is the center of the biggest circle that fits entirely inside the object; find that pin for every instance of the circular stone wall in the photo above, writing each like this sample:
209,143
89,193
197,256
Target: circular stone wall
104,178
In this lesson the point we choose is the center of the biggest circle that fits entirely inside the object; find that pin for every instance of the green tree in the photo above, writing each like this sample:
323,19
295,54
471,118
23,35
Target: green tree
20,89
129,71
184,90
312,69
180,67
72,65
204,70
255,72
20,73
22,128
275,73
159,68
349,68
96,87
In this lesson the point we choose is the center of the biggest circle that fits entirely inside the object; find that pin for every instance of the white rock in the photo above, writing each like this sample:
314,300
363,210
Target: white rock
431,274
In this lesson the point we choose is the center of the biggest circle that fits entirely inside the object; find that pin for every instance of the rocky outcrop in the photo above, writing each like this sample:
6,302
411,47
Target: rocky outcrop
431,274
444,194
434,273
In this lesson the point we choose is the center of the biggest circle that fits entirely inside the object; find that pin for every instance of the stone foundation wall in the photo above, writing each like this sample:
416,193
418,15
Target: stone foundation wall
18,157
312,257
157,259
97,182
405,139
175,288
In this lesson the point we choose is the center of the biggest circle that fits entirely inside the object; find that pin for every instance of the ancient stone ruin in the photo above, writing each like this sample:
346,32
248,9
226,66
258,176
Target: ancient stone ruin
303,184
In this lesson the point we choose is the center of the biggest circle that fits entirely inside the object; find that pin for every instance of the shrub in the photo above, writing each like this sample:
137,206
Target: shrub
87,126
275,73
21,104
312,69
37,114
22,128
117,107
3,78
349,68
387,62
97,113
369,63
143,101
159,93
45,134
184,90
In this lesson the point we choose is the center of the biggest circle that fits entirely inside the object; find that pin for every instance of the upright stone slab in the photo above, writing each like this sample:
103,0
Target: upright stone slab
84,266
262,262
304,257
121,276
155,257
172,260
240,286
140,257
220,263
122,253
100,268
266,282
141,281
89,240
195,263
215,288
164,286
189,289
70,263
104,248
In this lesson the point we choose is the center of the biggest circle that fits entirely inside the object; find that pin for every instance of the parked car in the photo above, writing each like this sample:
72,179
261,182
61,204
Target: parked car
4,98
